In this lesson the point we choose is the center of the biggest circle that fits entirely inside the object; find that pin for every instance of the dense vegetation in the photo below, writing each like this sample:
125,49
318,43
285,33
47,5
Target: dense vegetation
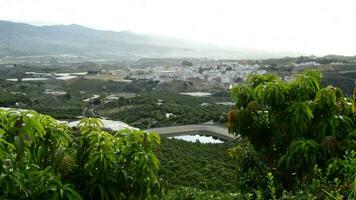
198,165
300,132
41,159
149,110
141,109
298,142
345,80
27,95
191,193
8,99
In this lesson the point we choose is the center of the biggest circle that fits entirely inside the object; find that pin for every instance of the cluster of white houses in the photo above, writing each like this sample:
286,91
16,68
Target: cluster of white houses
224,73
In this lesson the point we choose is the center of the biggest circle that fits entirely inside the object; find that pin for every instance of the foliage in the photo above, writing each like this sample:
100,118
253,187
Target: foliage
60,111
198,165
188,193
8,99
271,187
42,159
251,172
337,181
342,171
149,110
345,81
295,125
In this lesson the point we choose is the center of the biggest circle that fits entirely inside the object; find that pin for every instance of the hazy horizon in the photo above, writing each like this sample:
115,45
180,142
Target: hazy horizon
318,27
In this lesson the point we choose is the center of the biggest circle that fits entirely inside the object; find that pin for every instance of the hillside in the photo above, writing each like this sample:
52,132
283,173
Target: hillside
19,39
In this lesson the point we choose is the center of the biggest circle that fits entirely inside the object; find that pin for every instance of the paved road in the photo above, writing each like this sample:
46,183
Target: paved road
212,130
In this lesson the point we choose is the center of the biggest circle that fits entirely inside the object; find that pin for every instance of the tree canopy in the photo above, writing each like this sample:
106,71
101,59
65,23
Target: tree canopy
294,125
42,159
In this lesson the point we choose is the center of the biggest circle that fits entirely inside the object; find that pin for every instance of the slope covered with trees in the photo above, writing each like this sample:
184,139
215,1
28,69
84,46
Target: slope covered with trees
298,141
198,165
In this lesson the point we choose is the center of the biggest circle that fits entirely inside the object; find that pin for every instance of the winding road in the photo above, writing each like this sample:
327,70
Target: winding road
217,131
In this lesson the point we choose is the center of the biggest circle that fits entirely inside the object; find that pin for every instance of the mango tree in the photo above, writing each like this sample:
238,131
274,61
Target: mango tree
294,125
42,159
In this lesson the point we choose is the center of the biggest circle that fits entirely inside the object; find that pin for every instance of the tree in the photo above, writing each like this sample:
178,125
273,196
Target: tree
293,125
201,70
187,63
42,159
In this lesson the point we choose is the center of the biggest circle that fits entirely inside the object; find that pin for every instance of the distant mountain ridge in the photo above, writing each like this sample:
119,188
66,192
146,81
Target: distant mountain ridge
19,39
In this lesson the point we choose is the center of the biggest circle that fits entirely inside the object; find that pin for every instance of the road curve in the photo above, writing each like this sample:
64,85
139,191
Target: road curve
212,130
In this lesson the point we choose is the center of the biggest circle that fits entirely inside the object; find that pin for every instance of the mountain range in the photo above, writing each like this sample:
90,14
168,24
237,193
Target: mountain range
20,39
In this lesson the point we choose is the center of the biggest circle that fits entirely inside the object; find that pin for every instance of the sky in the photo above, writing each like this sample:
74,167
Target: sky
316,27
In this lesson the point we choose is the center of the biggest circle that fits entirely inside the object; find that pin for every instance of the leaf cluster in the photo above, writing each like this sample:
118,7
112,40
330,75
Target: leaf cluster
42,159
293,125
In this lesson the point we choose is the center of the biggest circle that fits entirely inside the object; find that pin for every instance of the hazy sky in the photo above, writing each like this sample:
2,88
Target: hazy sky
310,26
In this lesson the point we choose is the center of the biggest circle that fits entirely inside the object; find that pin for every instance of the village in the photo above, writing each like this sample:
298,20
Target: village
222,73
